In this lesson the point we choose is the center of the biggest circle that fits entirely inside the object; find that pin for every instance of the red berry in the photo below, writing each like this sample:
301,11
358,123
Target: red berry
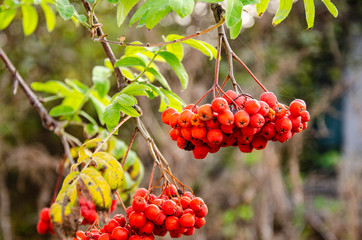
181,142
280,110
242,118
160,219
148,237
147,228
185,201
205,112
297,107
283,125
269,98
215,136
120,218
264,108
185,118
199,222
189,231
139,204
203,212
268,131
259,142
141,192
120,233
165,117
257,120
173,134
81,235
174,120
252,106
135,237
187,220
245,148
194,108
137,220
105,236
226,118
305,116
44,215
171,223
160,230
112,224
169,207
129,210
227,129
198,132
152,212
219,105
213,123
42,227
229,96
196,204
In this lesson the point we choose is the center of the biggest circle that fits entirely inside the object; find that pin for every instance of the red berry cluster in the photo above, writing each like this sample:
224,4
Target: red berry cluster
235,120
152,215
44,224
88,210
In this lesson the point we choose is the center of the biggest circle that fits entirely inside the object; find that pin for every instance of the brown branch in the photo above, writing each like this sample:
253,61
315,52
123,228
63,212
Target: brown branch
121,80
198,33
47,121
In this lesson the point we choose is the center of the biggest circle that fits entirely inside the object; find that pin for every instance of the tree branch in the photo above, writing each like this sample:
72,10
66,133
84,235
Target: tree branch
121,80
47,121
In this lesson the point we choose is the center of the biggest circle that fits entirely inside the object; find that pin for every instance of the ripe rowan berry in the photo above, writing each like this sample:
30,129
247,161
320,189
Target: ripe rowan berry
305,117
120,218
139,204
196,204
296,107
169,207
137,220
269,98
112,224
268,131
205,112
194,108
165,117
245,148
264,108
147,228
105,236
181,142
44,215
42,227
215,136
259,142
140,192
219,105
173,134
226,118
280,110
189,231
227,129
186,133
283,125
199,222
171,223
160,219
229,96
256,120
213,123
252,106
135,237
199,132
185,118
174,120
242,118
187,220
120,233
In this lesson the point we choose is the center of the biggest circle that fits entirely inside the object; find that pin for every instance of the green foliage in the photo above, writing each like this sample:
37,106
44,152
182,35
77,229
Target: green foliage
283,11
309,12
331,7
30,19
123,9
233,18
261,7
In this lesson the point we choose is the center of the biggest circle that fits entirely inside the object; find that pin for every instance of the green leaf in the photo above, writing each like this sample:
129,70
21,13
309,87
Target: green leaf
234,9
174,100
177,66
283,11
49,16
132,50
177,49
331,7
235,30
100,78
136,89
90,130
156,90
159,77
112,115
182,7
6,17
150,13
247,2
30,19
261,7
153,18
126,100
80,17
88,117
53,87
65,9
77,85
113,1
309,12
202,46
61,110
99,105
130,111
210,1
130,62
123,9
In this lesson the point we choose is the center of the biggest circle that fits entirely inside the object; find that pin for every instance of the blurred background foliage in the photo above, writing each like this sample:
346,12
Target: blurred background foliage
297,190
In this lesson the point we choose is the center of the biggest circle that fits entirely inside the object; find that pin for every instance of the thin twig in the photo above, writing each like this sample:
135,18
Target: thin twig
129,146
198,33
121,80
111,133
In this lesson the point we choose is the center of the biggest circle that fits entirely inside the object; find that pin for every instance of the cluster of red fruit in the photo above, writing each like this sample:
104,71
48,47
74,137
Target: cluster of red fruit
87,210
44,224
235,120
152,215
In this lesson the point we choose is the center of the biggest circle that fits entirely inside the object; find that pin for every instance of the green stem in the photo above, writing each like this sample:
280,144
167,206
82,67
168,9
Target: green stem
149,64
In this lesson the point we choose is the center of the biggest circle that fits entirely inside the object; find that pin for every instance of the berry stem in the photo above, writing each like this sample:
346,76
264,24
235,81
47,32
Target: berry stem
249,71
151,177
203,96
129,146
217,65
111,133
60,176
120,199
